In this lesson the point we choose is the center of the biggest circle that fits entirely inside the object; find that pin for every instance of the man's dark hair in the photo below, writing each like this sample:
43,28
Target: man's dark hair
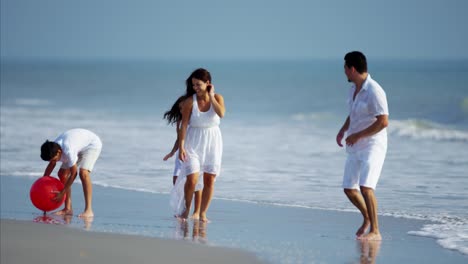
49,149
357,60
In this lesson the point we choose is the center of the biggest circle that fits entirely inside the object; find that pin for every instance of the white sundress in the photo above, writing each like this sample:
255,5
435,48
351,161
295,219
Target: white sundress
177,165
204,149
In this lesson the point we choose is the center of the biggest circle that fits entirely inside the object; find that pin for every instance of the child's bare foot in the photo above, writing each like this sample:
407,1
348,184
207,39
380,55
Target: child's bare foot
86,214
64,212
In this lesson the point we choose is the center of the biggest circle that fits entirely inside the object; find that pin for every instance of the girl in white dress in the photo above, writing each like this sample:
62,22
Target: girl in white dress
174,116
200,140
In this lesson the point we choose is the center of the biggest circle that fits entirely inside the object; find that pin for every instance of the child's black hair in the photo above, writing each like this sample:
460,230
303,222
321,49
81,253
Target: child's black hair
48,150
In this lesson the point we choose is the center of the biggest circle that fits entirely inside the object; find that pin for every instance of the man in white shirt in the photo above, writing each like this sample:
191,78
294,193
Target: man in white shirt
366,142
75,148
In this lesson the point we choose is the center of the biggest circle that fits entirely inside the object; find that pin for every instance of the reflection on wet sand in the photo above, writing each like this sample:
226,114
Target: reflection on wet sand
198,231
62,220
49,219
87,221
369,250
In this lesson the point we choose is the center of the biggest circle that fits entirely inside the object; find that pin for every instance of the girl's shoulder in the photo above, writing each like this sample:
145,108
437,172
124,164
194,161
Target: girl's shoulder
218,96
188,100
186,103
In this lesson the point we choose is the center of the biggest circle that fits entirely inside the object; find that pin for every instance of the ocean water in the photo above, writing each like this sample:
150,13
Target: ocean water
279,130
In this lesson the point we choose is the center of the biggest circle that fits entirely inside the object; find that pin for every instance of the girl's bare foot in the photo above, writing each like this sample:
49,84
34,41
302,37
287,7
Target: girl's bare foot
203,218
86,214
373,236
183,216
64,212
195,216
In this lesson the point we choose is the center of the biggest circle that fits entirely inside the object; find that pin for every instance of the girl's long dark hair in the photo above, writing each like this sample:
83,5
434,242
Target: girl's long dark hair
174,114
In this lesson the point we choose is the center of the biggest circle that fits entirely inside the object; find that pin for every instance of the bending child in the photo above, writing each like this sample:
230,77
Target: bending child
75,149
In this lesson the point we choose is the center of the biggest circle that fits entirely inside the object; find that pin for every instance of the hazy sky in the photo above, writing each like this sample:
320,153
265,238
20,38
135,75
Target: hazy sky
219,29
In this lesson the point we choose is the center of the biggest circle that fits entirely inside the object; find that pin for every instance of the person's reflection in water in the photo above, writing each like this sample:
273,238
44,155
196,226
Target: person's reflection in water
49,219
87,222
62,220
67,219
198,231
369,250
185,229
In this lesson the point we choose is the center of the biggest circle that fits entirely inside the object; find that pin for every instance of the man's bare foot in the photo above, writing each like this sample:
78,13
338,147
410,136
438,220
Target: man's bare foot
64,212
374,236
86,214
360,232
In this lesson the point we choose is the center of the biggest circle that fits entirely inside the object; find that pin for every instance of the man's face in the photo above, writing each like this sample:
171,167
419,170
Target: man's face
348,71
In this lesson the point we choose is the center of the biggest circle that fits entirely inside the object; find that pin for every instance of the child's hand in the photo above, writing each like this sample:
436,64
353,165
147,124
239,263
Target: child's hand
59,196
168,156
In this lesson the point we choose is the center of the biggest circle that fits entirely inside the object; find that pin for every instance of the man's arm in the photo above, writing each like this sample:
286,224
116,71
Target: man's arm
376,127
343,129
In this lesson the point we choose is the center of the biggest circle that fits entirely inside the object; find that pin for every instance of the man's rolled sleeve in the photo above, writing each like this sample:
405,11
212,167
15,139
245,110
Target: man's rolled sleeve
378,103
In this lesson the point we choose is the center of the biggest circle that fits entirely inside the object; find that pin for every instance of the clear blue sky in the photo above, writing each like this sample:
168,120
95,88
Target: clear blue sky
218,29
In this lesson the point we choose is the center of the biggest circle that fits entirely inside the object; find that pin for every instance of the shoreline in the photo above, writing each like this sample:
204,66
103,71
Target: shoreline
275,234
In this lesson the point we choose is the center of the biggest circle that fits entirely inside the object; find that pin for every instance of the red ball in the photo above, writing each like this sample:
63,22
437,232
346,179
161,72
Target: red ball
43,191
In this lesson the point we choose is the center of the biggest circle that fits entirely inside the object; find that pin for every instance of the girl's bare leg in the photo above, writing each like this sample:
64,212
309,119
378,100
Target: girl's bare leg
208,188
189,189
196,210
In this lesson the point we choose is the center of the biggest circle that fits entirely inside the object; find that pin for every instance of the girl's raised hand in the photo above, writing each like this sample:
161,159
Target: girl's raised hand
211,89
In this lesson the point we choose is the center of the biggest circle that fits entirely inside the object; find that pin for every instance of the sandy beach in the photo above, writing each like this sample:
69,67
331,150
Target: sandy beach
27,242
138,227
